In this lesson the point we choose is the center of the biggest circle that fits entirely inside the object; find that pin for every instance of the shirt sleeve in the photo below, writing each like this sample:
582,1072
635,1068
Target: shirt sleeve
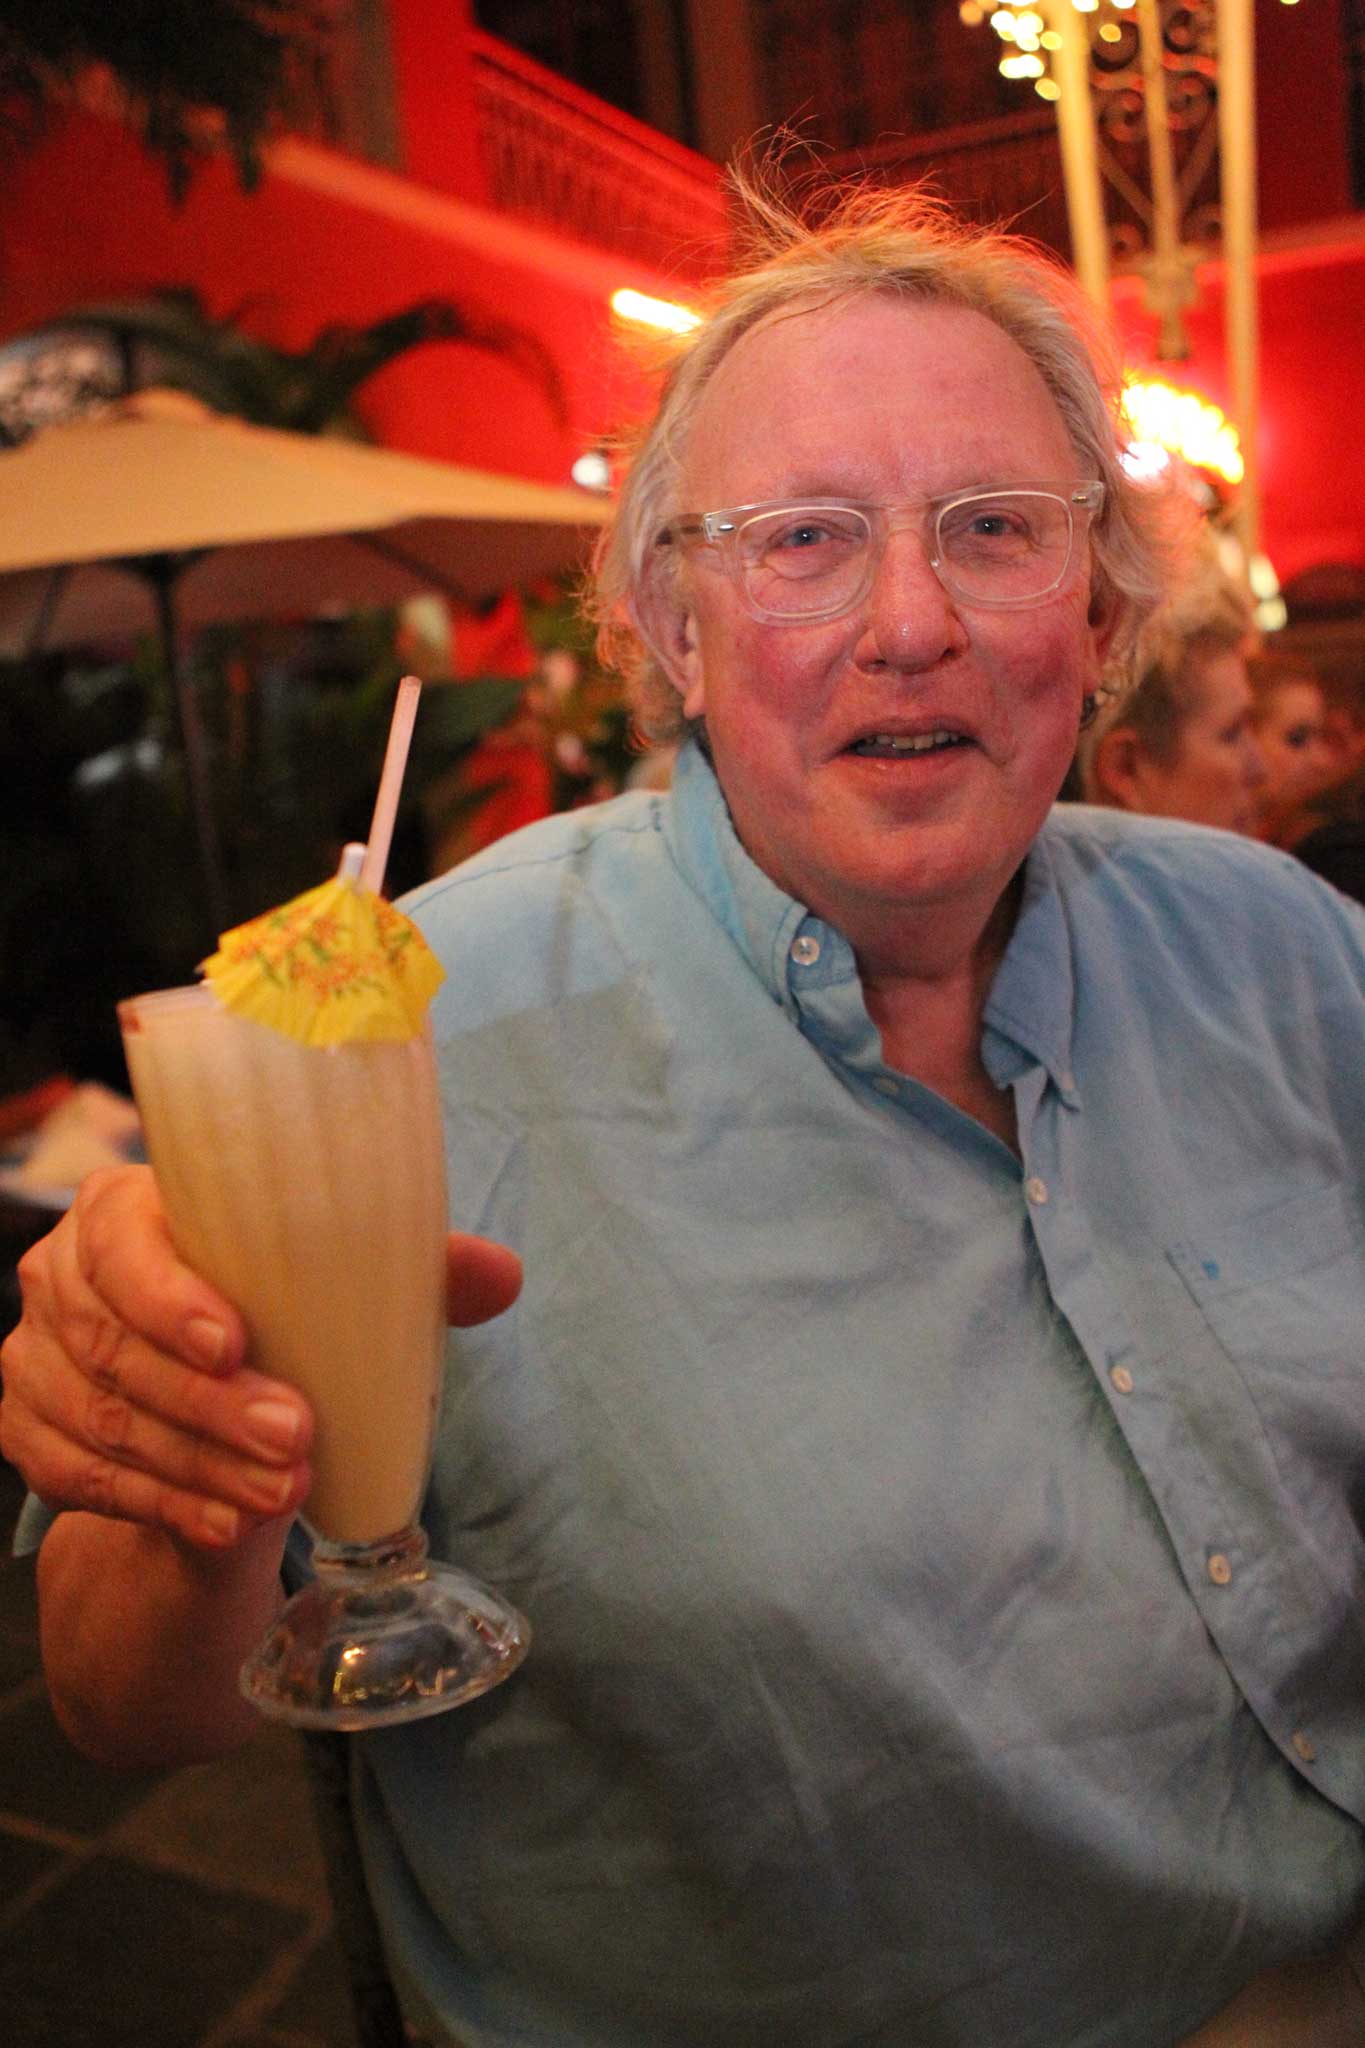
35,1519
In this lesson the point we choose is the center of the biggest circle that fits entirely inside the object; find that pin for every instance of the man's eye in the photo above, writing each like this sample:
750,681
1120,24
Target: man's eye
814,533
990,526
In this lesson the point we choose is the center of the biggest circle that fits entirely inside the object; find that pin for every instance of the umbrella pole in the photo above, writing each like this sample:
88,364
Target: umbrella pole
52,597
160,572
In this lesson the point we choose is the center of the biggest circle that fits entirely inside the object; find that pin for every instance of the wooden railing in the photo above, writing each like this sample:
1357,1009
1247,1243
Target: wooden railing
1006,171
557,155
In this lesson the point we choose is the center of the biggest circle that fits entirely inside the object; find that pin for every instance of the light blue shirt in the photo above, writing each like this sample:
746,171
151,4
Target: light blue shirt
946,1573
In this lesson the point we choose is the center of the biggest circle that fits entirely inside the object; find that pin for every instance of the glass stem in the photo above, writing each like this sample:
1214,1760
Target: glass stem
401,1555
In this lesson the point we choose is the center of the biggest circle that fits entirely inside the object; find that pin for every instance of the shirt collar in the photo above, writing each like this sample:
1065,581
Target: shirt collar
762,919
1030,1009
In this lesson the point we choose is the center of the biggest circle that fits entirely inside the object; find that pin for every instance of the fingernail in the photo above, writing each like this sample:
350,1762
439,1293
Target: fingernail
219,1522
272,1489
208,1340
273,1425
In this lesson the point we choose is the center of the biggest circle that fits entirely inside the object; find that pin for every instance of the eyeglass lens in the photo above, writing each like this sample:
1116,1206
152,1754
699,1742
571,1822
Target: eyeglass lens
1007,547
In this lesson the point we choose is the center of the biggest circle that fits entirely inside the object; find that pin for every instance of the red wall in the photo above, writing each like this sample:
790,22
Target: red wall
434,90
1301,113
289,261
1311,465
86,215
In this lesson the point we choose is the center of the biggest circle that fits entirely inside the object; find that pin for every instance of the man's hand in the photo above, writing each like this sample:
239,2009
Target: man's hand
125,1387
482,1279
127,1390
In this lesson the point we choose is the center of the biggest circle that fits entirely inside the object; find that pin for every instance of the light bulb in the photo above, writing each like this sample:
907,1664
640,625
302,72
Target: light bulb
648,312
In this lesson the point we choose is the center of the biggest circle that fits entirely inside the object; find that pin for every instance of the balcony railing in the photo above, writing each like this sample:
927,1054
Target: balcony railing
1008,170
558,156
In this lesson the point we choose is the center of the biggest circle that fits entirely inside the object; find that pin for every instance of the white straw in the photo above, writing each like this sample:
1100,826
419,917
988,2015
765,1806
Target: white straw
390,783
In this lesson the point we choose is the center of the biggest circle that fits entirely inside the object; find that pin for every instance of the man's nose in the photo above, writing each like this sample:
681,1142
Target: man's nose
911,620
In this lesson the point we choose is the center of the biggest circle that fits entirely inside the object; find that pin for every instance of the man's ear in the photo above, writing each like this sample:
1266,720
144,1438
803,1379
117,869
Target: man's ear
666,623
1102,619
691,678
1116,768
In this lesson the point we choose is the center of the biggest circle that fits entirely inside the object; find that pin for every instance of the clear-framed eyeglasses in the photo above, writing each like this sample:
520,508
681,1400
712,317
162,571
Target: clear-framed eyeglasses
799,563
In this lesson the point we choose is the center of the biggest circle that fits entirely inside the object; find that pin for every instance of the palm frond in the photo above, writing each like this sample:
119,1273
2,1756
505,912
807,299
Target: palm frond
194,73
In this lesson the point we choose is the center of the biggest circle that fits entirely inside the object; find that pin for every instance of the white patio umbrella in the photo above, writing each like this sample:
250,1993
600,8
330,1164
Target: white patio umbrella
158,514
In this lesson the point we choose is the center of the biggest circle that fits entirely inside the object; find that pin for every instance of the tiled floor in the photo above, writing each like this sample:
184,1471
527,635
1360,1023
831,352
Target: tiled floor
185,1909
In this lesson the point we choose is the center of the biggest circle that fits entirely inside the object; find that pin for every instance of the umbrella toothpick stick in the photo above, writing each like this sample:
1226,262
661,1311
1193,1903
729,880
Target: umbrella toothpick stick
390,783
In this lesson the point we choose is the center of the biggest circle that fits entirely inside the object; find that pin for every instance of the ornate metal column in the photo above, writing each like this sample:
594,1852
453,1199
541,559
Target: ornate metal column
1237,154
1080,158
1170,163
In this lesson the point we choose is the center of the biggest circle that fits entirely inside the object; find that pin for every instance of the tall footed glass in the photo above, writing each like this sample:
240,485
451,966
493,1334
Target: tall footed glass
307,1183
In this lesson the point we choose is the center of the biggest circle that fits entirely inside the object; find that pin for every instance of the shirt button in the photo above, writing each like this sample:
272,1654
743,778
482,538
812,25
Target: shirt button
1035,1189
886,1084
805,951
1220,1571
1303,1747
1122,1379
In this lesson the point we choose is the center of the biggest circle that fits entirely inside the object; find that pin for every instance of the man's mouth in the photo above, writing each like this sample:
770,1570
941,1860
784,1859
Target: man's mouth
890,745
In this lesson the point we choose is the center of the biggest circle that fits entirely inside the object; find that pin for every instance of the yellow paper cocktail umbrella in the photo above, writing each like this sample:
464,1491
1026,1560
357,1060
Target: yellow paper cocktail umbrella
337,963
334,964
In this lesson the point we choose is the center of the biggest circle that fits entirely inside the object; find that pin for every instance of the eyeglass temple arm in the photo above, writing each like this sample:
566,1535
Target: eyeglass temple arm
675,530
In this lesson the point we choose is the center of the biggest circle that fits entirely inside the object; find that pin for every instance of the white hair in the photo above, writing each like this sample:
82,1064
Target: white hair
901,243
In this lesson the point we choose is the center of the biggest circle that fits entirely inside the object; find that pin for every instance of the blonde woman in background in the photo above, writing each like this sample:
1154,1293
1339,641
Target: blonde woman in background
1182,742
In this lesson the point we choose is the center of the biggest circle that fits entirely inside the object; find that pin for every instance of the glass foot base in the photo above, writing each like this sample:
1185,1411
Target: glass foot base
376,1640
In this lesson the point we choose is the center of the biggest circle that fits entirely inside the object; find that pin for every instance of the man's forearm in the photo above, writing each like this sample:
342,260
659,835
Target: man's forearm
143,1637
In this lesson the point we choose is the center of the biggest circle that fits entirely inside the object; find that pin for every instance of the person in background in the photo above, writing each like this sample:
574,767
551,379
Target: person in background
1289,720
1345,723
928,1439
1323,821
1181,742
1309,805
1334,845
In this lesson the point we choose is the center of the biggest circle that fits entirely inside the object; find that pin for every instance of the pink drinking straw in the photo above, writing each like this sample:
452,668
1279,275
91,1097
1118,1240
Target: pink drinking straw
390,783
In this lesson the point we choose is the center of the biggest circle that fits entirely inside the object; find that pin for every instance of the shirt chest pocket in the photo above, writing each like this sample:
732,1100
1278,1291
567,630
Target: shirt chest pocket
1283,1286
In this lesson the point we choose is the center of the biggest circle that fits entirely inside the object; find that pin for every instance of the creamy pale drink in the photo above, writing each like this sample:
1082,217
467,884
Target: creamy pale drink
294,1126
308,1184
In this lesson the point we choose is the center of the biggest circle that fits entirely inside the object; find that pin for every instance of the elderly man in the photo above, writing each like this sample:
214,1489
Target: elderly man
929,1438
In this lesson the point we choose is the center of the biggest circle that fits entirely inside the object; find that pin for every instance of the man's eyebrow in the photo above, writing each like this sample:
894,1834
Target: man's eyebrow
807,492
